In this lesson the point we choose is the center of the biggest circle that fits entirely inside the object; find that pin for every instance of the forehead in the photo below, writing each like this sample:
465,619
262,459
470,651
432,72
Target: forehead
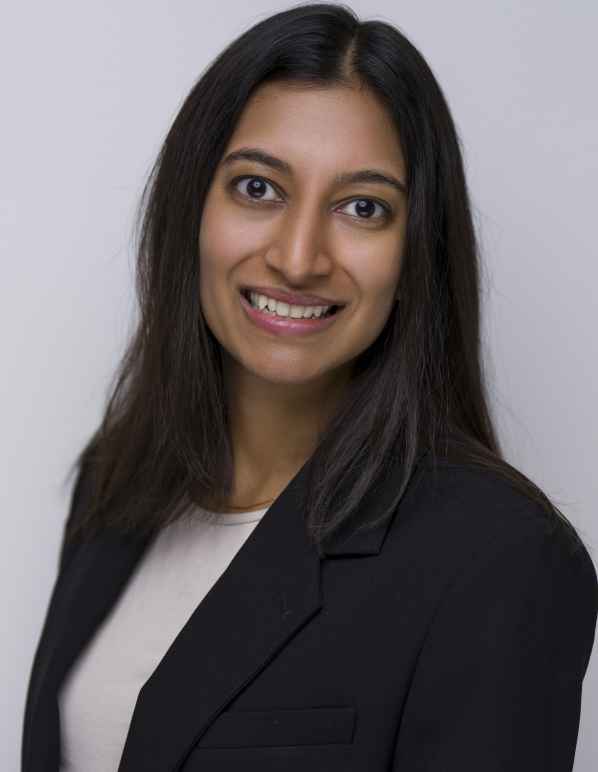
328,127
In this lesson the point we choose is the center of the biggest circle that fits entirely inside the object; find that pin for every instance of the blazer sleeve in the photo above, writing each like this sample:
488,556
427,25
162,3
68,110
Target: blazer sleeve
78,500
498,682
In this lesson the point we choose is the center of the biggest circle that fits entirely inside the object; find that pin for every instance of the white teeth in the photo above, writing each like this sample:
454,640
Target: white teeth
279,308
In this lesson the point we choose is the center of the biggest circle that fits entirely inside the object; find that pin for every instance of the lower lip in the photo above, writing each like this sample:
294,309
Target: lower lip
280,325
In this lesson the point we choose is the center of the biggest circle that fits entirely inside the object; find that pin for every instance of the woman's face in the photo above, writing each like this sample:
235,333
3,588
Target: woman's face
298,229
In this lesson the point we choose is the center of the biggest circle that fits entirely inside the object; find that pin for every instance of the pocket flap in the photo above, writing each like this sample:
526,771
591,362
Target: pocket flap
297,726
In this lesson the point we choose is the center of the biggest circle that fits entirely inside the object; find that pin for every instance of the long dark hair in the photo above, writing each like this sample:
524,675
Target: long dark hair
419,389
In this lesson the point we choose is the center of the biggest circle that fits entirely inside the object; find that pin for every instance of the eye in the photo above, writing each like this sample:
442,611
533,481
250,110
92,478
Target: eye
255,188
364,206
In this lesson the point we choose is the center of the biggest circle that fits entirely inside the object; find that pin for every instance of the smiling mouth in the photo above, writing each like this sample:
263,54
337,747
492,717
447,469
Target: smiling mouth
333,309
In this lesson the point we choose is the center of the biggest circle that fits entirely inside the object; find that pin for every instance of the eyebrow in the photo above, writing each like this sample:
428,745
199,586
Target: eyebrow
344,178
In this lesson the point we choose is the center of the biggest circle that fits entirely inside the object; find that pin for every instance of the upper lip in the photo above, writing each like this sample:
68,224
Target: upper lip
293,298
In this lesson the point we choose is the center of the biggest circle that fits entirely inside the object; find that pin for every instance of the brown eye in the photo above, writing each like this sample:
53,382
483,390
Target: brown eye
255,187
366,206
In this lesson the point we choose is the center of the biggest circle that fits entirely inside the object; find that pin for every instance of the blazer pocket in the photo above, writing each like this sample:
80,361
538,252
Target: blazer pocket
267,728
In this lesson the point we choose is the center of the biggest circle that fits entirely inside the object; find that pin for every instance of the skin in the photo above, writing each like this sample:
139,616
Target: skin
302,233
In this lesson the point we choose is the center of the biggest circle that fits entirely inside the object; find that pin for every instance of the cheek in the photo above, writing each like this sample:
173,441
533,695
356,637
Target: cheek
374,263
216,241
376,278
219,239
223,245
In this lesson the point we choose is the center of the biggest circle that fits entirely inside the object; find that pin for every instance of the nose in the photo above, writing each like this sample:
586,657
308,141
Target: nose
298,248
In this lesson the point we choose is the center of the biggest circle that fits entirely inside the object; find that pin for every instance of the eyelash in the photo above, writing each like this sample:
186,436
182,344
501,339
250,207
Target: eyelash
386,209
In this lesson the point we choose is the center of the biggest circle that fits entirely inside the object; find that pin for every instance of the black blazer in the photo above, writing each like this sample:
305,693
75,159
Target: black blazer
454,638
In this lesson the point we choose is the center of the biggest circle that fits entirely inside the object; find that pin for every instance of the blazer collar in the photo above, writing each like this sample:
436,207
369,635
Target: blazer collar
270,589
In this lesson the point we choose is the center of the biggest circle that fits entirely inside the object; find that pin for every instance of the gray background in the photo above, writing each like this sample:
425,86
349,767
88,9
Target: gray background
89,90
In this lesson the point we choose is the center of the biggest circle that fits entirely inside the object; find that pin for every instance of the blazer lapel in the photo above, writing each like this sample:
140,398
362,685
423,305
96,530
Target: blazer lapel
270,589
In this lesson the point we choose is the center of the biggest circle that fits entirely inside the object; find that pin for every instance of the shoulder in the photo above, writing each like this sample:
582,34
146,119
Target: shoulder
475,499
460,513
475,543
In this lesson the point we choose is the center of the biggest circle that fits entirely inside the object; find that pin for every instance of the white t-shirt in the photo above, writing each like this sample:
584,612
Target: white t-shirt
98,695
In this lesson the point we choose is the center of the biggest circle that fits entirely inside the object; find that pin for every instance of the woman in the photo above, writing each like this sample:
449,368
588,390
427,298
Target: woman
294,542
